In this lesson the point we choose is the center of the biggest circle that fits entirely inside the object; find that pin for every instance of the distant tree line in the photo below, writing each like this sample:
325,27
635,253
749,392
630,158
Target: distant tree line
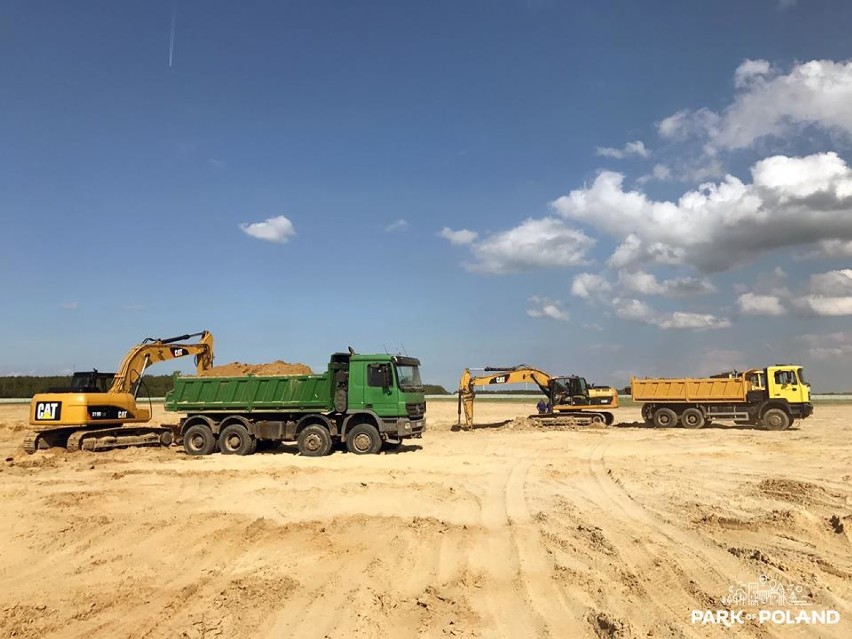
435,389
152,386
26,386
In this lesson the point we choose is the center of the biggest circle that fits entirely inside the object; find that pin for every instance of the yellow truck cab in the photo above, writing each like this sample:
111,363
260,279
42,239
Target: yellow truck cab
787,382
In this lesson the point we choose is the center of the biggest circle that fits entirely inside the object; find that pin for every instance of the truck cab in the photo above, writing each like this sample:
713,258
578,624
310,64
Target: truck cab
786,382
389,386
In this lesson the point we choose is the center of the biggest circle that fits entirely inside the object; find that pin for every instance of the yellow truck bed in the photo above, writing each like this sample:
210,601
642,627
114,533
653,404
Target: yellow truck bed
686,389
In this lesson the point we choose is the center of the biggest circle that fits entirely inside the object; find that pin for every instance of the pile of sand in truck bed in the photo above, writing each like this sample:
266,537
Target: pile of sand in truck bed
273,368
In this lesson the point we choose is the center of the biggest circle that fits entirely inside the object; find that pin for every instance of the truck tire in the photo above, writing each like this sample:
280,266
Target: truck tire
363,439
647,414
199,440
314,440
776,419
665,418
235,440
692,418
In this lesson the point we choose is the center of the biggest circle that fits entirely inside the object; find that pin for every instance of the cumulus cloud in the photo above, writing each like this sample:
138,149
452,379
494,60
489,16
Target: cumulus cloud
660,172
589,285
828,346
791,201
631,148
635,310
828,294
698,321
753,304
835,248
544,307
770,103
462,236
398,225
535,243
648,284
274,229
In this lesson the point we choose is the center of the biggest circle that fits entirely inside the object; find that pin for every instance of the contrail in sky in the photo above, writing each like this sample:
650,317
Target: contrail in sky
172,36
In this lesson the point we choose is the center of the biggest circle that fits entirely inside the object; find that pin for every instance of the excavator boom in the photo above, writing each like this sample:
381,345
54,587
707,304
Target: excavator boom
152,351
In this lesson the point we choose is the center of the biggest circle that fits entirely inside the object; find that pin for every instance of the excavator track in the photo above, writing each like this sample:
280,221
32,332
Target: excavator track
584,418
120,437
30,443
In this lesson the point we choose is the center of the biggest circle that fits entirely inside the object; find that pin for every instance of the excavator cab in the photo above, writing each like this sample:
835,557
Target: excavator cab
91,382
87,382
571,391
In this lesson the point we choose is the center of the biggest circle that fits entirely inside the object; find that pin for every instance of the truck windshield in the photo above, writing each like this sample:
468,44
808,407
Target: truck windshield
408,377
801,372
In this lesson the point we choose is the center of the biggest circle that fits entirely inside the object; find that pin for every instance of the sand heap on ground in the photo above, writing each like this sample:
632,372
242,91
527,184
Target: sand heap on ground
273,368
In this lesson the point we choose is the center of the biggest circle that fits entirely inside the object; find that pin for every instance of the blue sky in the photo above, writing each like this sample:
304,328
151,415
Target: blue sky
476,183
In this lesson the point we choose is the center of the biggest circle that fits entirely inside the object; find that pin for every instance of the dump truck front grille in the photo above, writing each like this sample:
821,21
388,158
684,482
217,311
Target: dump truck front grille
415,411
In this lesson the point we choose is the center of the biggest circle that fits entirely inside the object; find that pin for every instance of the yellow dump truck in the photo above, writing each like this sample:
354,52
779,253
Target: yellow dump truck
770,397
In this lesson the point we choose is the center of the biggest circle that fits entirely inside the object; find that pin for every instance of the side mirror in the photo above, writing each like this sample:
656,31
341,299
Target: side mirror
388,377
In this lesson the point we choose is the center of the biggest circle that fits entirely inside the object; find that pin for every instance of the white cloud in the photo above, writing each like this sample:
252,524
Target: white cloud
634,310
749,71
631,148
544,307
398,225
589,285
660,172
815,93
696,321
828,294
274,229
638,311
828,306
828,346
69,306
462,236
832,283
753,304
791,201
535,243
648,284
836,248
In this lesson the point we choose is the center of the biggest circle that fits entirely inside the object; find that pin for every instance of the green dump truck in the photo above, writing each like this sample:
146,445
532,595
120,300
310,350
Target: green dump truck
367,402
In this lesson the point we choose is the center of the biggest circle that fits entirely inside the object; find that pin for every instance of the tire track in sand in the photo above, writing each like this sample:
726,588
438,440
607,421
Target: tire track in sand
522,599
677,556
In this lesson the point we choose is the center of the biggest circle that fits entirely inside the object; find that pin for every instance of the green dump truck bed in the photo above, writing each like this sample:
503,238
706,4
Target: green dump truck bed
251,393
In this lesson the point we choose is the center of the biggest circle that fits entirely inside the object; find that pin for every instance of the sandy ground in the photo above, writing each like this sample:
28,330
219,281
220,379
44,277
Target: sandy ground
499,532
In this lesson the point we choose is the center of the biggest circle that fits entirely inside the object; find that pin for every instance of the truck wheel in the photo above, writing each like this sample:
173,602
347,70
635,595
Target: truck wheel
647,414
776,419
692,418
199,440
363,439
665,418
235,440
314,441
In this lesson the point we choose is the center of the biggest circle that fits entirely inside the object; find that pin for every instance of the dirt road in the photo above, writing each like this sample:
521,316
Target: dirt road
499,532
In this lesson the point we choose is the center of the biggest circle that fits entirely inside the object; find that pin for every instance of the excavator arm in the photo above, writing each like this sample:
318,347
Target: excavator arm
494,375
152,351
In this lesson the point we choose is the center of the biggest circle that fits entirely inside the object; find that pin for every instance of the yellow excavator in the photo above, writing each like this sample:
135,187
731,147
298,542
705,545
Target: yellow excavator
567,396
93,413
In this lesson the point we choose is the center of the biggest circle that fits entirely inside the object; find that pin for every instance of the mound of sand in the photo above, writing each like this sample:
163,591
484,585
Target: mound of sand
557,423
273,368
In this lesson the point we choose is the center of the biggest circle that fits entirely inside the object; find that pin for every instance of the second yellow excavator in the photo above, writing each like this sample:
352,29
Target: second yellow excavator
566,395
94,411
